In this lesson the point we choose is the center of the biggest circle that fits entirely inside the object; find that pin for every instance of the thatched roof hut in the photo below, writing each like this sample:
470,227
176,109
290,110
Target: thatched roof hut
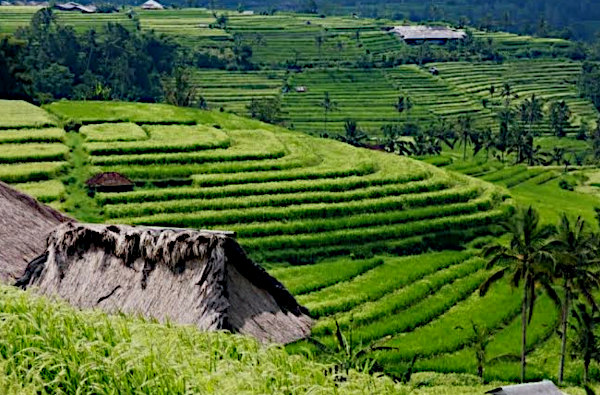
24,226
110,182
186,276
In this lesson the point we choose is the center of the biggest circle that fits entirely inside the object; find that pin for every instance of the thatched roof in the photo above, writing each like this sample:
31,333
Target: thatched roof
545,387
24,226
109,179
185,276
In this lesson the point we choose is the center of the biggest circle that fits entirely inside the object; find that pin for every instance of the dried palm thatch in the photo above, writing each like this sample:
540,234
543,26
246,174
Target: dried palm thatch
24,226
186,276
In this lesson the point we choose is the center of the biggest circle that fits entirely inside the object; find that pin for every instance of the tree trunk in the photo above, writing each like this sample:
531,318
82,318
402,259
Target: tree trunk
523,332
325,122
465,150
586,368
563,345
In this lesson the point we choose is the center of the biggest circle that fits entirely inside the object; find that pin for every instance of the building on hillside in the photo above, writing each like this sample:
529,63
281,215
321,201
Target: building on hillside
545,387
152,5
201,278
301,89
72,6
5,3
418,34
110,182
24,226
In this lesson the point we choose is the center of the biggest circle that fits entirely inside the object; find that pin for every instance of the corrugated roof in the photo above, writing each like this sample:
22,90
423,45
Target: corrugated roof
422,32
545,387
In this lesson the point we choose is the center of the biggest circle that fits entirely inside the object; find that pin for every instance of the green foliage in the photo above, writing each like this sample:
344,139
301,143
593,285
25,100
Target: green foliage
85,351
265,110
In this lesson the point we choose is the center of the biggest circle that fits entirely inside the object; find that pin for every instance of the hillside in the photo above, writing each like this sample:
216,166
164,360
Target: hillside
295,199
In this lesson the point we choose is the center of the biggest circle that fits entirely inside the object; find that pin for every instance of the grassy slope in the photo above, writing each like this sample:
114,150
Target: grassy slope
438,291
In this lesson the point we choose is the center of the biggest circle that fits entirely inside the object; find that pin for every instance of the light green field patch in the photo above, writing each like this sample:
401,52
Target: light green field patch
113,132
98,111
44,191
33,152
34,171
20,114
31,135
162,139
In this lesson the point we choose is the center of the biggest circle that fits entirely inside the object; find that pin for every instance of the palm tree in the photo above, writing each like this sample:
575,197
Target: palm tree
354,136
526,260
404,104
585,344
506,116
531,111
466,135
328,106
559,117
576,267
507,94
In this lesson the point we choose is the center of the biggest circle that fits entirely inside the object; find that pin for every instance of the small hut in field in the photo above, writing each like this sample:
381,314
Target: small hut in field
190,277
110,182
24,227
152,5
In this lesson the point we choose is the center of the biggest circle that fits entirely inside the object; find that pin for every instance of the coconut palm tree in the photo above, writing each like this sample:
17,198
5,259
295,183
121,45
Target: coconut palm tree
559,117
466,135
527,260
531,111
353,135
585,343
328,105
576,267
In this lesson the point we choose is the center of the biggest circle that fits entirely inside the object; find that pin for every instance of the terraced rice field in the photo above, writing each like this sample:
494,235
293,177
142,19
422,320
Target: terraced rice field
361,222
548,80
233,91
32,149
351,90
294,38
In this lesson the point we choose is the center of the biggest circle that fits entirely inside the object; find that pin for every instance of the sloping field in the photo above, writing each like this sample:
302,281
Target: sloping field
351,90
376,234
276,188
549,80
233,91
32,149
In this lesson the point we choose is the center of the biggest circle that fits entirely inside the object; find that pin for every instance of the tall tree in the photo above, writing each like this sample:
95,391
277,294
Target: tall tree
466,134
531,111
559,117
526,260
328,105
576,268
585,344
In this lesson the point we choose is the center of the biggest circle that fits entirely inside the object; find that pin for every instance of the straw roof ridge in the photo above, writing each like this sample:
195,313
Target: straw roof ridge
176,249
24,227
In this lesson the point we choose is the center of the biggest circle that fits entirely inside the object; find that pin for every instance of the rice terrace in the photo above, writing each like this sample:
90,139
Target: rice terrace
299,197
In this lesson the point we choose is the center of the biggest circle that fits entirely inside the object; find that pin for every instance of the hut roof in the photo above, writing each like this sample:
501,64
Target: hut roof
186,276
422,32
24,226
109,179
545,387
152,5
72,6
